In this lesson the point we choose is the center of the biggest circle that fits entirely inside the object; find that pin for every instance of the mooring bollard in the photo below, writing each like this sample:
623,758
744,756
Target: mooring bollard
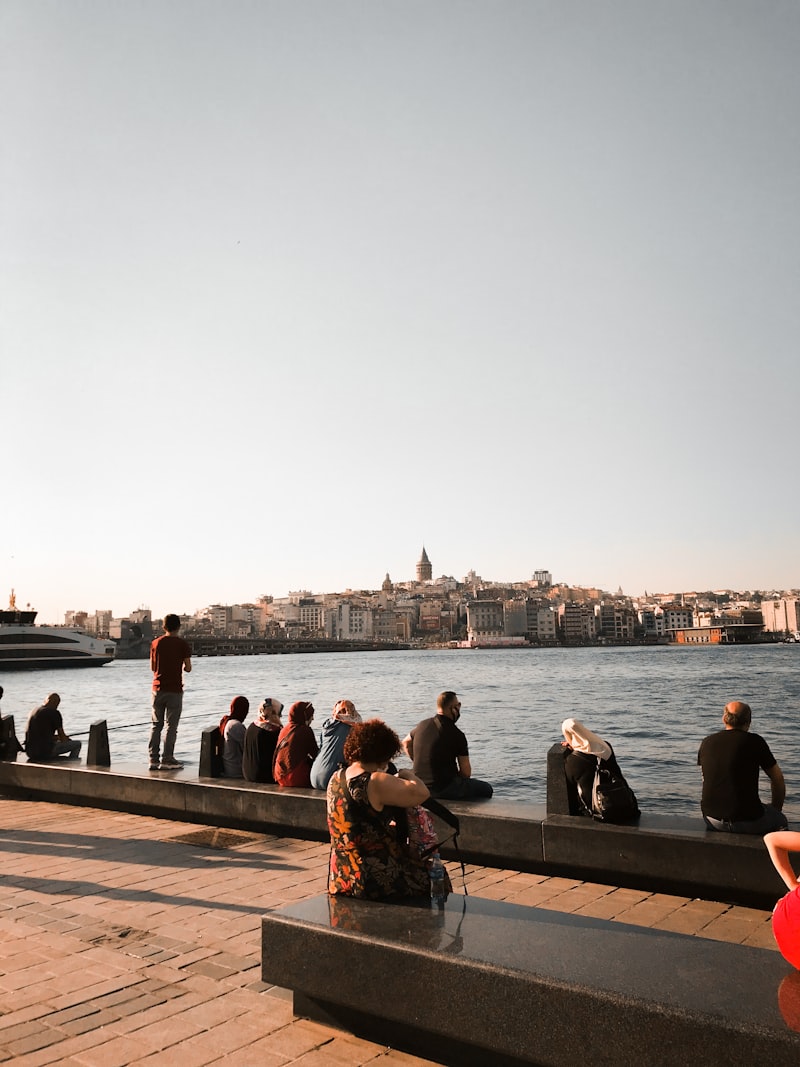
98,754
211,753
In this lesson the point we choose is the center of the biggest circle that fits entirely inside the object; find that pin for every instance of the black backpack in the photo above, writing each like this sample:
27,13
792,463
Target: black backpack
613,800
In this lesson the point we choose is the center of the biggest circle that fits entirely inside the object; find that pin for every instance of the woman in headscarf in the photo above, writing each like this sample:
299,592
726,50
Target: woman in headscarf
260,740
583,748
232,729
331,743
296,747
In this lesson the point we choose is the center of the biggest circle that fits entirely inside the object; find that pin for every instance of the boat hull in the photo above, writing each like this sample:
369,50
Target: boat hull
30,647
35,664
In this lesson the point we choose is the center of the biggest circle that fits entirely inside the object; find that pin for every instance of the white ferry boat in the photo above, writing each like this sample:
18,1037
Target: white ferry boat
26,646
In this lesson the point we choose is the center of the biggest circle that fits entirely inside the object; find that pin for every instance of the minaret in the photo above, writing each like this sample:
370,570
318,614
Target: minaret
424,568
387,586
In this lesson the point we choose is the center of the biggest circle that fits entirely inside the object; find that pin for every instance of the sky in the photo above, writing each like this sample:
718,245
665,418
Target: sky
290,289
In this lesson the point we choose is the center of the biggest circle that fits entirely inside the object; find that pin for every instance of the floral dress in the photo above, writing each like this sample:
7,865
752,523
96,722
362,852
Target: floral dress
367,859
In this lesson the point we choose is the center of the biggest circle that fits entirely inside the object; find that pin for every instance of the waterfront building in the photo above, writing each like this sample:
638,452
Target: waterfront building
515,617
430,616
219,615
406,613
99,623
677,617
311,615
349,621
651,619
485,620
385,624
576,622
781,616
546,625
615,621
138,626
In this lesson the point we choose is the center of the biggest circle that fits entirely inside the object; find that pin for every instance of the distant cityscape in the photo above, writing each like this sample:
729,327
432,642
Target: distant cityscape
477,613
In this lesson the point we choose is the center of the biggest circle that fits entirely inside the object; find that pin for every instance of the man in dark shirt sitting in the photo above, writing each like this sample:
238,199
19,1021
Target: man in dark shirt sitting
441,756
730,760
44,733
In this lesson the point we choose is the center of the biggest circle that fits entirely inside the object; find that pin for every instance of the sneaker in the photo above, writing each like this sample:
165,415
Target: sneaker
155,766
171,765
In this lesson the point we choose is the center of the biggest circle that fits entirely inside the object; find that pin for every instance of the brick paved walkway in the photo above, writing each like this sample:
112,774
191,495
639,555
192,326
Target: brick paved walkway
126,939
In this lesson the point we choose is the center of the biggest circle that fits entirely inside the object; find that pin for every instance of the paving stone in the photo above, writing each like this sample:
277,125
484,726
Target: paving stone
42,1038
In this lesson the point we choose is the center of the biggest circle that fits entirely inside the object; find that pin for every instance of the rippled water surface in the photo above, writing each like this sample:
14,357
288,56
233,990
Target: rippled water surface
653,704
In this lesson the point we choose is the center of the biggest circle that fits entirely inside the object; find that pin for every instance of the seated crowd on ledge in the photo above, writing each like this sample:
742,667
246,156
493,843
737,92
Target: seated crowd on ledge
291,755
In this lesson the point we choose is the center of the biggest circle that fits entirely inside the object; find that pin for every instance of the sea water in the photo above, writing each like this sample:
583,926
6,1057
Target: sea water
653,704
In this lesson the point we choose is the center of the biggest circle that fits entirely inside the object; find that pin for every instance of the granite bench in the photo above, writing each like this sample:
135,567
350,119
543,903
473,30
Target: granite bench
483,982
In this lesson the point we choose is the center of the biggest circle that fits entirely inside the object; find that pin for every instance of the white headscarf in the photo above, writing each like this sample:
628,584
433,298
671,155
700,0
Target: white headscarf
345,711
581,739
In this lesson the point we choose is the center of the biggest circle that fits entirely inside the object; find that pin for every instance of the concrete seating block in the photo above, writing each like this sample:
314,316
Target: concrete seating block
211,753
483,982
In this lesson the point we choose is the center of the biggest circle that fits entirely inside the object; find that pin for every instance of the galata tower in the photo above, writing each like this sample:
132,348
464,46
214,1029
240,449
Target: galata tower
424,568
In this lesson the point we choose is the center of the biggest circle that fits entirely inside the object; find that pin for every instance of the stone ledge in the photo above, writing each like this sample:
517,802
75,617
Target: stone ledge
505,984
662,853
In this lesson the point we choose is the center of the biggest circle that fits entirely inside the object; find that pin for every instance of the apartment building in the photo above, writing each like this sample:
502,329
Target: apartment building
615,621
485,619
576,622
651,621
677,617
541,622
781,616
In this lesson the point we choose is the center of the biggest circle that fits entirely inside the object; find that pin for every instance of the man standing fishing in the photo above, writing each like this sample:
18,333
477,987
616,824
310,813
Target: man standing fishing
170,656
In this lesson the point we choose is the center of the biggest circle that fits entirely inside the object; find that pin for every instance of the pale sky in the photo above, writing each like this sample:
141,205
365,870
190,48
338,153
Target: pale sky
290,289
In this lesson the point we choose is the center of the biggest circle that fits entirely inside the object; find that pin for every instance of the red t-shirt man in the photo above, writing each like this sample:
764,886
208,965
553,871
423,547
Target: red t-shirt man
170,656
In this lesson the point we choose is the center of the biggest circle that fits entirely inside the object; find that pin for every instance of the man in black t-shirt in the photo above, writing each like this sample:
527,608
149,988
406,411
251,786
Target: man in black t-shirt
730,761
440,753
44,733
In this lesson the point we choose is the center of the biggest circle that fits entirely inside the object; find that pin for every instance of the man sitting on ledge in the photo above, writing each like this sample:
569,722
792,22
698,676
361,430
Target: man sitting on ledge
729,760
440,753
44,733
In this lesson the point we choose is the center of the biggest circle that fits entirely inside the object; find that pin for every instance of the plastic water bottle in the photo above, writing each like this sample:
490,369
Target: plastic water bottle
438,894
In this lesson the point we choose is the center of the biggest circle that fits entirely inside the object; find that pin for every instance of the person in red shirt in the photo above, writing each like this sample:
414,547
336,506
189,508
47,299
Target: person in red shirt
786,914
170,656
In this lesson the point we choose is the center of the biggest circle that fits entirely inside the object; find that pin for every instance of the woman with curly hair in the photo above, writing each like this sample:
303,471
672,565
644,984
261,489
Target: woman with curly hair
368,857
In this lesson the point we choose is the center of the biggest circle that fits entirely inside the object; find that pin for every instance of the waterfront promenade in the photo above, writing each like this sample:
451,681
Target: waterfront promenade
127,939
